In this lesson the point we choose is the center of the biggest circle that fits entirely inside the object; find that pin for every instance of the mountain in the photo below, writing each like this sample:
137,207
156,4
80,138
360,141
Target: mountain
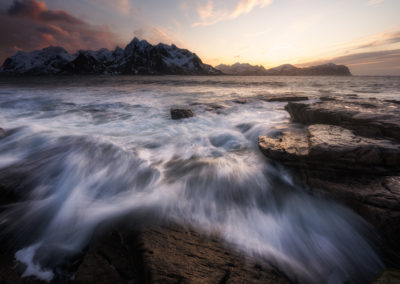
241,69
246,69
139,58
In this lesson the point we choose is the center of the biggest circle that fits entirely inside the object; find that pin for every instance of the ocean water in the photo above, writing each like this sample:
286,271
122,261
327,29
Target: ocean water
81,152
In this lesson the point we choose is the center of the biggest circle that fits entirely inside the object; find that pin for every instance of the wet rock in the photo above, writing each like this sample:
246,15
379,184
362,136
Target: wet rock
393,101
240,101
172,254
107,261
327,98
176,255
2,133
327,147
371,118
376,199
215,107
388,276
179,113
286,98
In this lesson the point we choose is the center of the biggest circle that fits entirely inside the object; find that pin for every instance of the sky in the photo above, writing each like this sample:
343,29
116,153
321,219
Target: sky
362,34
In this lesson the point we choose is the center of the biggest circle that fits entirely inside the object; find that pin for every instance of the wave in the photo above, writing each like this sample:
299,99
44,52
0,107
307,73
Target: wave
68,185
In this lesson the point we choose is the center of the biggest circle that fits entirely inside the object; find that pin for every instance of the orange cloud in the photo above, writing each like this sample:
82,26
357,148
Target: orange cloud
209,16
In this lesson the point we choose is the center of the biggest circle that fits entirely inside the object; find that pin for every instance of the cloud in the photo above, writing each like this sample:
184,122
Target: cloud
380,40
374,2
205,11
123,7
29,25
245,7
384,62
210,16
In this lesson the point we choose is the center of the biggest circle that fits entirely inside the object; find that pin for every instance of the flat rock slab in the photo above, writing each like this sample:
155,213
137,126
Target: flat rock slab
168,255
332,148
173,255
287,97
366,117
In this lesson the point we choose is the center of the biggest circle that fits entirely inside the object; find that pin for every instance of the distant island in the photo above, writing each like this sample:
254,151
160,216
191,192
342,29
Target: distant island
245,69
142,58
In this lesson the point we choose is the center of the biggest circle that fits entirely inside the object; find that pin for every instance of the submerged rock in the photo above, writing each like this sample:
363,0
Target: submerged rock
2,133
388,276
327,147
179,113
372,118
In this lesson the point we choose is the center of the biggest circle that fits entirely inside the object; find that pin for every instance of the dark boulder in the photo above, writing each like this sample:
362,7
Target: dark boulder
179,113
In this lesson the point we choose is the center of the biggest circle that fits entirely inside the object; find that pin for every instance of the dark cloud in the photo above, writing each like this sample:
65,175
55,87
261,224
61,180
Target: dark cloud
29,25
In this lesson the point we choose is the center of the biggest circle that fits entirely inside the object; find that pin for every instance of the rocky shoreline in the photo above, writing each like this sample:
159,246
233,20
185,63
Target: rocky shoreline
344,148
348,149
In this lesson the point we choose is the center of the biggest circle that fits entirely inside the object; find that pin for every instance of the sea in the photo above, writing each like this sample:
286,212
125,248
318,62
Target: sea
85,151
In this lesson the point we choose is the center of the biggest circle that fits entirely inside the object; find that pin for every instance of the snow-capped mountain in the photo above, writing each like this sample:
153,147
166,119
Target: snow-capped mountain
285,70
138,57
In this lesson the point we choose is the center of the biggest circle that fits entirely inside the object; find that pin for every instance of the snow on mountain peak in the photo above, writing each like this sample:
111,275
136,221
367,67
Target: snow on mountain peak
138,57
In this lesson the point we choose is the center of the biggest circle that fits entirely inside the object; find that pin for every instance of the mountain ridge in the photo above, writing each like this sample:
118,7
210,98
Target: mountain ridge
138,58
246,69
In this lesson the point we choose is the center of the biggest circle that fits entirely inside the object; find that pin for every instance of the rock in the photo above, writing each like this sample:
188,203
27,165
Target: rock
108,260
291,98
179,113
375,198
240,101
388,276
285,97
327,147
168,254
369,118
327,98
175,255
2,133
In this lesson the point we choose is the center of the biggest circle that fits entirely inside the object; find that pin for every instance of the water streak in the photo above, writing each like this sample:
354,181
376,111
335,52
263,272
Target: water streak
79,156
